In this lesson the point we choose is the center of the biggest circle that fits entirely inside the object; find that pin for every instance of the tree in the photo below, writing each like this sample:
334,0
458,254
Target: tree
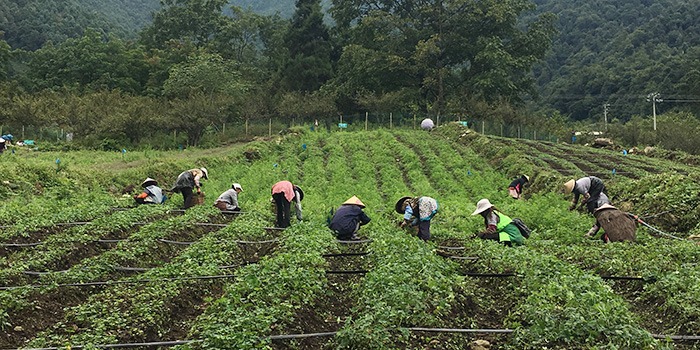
200,91
309,49
90,62
479,48
196,21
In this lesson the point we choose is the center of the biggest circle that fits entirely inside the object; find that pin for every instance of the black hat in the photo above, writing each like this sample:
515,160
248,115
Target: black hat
399,205
301,193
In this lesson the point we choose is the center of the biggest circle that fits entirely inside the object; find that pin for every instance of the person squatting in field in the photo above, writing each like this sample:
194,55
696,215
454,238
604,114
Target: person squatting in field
417,211
617,225
346,221
283,194
187,181
152,194
499,227
515,189
593,191
228,201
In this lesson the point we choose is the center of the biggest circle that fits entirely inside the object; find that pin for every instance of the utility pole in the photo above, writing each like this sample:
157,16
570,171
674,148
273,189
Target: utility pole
654,97
605,115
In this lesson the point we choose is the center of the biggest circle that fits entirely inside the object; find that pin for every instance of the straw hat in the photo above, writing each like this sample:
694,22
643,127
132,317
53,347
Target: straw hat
399,207
301,193
237,186
148,182
206,173
482,206
604,207
569,186
355,201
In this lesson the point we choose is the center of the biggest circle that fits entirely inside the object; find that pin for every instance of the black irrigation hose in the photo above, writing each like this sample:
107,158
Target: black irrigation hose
328,334
347,272
344,254
472,258
354,241
496,275
23,245
109,283
451,248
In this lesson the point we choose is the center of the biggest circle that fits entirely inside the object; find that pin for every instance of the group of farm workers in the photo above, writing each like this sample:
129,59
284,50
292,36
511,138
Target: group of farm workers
346,220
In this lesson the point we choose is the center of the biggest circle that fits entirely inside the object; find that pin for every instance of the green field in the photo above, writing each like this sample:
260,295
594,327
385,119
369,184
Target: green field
211,280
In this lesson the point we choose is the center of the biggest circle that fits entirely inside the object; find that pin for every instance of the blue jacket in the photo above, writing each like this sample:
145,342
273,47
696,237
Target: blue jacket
347,217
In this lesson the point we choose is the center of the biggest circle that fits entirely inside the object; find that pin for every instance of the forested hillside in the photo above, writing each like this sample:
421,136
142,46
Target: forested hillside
30,24
617,52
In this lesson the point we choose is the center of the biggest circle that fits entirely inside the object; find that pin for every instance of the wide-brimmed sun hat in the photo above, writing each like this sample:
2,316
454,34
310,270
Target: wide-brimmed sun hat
482,206
569,186
206,173
237,186
148,182
605,206
399,207
355,201
301,193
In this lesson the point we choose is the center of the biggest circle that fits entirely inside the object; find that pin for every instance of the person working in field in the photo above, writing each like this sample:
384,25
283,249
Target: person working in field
591,188
228,201
417,211
515,189
187,181
499,227
618,226
152,194
593,191
283,194
348,219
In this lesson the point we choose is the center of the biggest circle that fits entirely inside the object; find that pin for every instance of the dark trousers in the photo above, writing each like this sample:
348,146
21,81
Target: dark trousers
424,230
188,197
282,205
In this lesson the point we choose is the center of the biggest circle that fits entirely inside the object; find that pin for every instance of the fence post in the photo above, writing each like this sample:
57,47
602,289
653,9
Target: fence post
391,120
246,126
366,117
483,123
534,135
269,129
501,130
414,120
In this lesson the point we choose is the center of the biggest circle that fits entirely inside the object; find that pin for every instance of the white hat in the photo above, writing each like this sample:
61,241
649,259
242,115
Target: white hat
149,182
526,177
237,186
206,173
482,206
605,206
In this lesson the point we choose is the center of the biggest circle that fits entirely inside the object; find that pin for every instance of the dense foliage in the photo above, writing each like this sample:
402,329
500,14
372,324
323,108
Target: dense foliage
257,282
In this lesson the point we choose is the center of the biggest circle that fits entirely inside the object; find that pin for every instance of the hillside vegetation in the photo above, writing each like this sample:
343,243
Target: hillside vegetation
225,281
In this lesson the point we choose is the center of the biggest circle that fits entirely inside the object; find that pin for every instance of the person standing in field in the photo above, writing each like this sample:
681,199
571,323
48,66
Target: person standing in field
617,225
187,181
417,211
152,194
228,201
515,189
283,194
499,227
348,219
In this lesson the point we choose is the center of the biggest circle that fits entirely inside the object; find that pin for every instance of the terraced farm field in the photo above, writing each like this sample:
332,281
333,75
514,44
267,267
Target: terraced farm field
81,266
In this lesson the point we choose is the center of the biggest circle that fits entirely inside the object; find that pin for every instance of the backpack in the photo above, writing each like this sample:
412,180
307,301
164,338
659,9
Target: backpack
524,230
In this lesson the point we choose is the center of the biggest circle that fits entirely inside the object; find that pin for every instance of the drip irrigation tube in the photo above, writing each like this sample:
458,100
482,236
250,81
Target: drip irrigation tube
451,248
354,241
344,254
471,258
347,272
475,274
328,334
20,245
109,283
221,241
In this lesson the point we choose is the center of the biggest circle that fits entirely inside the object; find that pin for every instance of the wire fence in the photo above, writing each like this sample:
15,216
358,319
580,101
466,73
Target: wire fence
267,127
